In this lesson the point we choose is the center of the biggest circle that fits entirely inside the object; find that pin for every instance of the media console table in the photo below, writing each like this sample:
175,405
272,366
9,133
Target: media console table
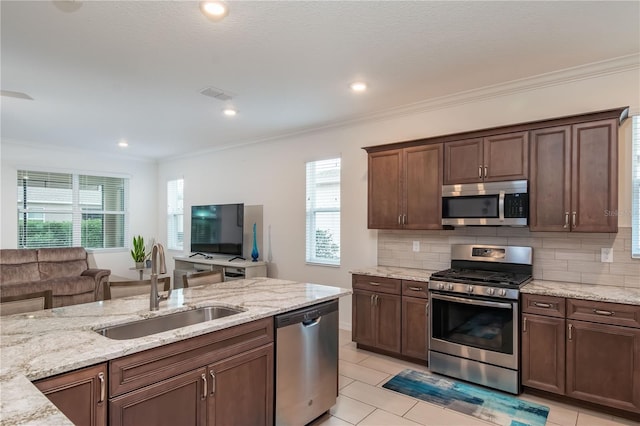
231,270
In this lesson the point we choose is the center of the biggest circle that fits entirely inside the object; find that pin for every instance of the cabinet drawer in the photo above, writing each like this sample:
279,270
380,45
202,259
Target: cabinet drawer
377,284
415,289
604,312
153,365
550,306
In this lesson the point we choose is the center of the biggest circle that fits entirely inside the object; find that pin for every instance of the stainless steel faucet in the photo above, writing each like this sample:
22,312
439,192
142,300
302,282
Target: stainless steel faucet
154,297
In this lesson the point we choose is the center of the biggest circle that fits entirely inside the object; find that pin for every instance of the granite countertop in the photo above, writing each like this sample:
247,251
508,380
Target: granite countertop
602,293
46,343
396,272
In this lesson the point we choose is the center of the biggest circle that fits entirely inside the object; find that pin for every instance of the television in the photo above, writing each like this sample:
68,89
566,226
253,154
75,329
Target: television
217,229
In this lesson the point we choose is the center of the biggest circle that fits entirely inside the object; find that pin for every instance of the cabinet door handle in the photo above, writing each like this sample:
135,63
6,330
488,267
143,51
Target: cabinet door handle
542,305
204,384
485,171
102,387
372,296
399,218
404,219
601,312
566,220
573,219
524,325
213,382
375,300
415,288
570,329
426,309
480,172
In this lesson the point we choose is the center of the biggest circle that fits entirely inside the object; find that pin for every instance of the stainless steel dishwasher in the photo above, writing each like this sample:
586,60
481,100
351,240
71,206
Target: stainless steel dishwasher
306,363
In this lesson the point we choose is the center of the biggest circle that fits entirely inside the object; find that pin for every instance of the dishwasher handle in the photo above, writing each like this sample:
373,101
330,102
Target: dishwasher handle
311,322
308,316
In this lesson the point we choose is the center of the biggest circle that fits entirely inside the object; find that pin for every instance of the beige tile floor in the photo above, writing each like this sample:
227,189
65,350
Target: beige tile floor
362,400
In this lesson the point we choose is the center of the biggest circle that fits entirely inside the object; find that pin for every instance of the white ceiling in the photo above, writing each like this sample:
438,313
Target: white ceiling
134,69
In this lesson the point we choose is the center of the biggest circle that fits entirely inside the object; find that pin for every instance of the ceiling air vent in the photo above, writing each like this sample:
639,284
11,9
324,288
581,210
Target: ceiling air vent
219,94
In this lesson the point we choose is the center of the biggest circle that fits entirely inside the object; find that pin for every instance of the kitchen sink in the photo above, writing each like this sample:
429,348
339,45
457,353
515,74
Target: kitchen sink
145,327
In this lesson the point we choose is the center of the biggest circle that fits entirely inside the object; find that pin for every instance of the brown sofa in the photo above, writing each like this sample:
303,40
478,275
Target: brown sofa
65,271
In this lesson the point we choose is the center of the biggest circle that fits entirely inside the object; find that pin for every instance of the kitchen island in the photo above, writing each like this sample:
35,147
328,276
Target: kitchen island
46,343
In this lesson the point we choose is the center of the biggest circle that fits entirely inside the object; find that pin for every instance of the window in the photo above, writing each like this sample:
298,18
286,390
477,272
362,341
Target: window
323,212
175,214
71,210
635,185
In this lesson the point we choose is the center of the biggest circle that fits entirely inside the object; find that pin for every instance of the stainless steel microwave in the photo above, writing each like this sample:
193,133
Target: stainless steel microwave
490,203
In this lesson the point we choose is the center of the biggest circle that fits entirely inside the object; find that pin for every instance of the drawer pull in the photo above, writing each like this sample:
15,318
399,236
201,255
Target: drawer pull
204,384
415,288
542,305
374,283
102,387
601,312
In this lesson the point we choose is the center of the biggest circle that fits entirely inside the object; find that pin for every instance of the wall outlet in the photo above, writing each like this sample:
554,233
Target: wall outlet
416,246
606,255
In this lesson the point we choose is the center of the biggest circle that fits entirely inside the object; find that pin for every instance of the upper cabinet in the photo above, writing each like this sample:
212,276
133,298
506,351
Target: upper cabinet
574,177
405,187
488,159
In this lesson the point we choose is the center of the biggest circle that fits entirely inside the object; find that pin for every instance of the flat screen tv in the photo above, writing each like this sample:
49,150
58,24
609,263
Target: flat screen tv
217,229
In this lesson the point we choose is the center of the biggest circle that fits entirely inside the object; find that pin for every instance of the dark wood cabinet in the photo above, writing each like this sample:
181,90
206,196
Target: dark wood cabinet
543,349
574,178
376,313
198,381
415,319
489,159
240,389
80,395
405,187
583,349
603,364
177,400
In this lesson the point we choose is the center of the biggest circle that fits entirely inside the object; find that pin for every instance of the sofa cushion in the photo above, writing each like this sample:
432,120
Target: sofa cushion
18,266
66,286
62,254
49,270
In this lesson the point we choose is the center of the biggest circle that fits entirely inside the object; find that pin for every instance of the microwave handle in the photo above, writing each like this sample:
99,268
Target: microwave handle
501,206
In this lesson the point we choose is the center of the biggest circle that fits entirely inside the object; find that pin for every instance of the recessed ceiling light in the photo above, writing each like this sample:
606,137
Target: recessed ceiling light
123,143
229,112
214,10
358,86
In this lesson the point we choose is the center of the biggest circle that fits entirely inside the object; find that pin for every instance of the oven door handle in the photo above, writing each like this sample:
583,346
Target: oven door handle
472,301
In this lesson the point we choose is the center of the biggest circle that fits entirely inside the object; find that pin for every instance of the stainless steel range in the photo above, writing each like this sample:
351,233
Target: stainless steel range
473,311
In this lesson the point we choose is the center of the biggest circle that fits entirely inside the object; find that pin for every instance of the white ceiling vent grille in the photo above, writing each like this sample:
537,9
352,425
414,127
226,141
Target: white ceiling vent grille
219,94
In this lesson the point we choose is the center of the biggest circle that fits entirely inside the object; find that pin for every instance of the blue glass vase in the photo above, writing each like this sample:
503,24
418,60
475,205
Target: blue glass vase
254,251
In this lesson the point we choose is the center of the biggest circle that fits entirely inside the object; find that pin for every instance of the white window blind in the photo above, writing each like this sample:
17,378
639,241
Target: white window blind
175,214
70,210
635,184
323,212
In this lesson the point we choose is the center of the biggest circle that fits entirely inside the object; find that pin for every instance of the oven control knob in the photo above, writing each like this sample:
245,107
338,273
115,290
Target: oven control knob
491,291
470,289
503,292
450,287
440,286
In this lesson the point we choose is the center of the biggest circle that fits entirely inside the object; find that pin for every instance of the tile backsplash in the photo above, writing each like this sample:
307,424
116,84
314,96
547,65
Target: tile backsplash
573,257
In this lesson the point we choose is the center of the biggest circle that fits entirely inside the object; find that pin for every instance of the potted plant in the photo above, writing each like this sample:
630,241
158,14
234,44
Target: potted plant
138,252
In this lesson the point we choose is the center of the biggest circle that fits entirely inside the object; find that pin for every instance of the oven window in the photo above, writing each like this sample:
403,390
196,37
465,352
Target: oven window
481,327
476,206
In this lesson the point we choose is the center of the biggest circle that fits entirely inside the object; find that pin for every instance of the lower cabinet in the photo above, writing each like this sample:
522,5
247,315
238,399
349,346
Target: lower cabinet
376,313
80,395
585,350
391,315
222,378
415,320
